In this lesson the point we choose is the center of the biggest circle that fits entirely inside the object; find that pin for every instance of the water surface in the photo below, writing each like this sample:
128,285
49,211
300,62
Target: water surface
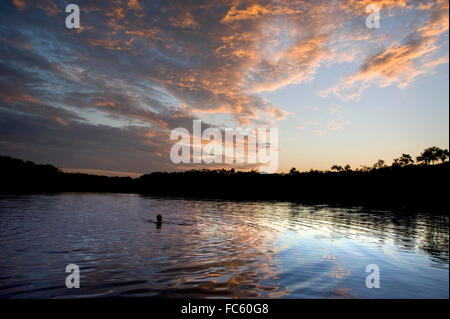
211,249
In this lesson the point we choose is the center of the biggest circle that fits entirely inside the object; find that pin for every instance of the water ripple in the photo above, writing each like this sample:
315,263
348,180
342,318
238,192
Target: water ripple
216,249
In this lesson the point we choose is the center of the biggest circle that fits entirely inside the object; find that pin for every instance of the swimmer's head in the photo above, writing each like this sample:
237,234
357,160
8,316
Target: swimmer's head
159,218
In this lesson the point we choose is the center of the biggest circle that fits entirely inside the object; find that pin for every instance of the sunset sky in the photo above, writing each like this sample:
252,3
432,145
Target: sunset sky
106,96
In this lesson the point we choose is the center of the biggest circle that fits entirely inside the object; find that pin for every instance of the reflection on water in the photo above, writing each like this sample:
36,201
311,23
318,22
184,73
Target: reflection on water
215,249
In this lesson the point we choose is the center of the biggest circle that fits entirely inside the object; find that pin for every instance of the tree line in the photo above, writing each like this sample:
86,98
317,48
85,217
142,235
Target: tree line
430,155
377,186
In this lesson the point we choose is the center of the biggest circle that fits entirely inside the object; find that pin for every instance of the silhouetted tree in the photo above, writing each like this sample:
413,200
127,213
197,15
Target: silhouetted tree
442,154
379,164
429,155
293,171
336,168
354,187
406,159
423,158
403,160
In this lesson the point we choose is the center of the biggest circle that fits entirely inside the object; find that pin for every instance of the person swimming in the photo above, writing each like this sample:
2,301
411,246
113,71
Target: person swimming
158,221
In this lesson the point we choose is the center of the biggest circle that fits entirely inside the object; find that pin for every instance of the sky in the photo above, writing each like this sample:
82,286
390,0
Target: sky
104,98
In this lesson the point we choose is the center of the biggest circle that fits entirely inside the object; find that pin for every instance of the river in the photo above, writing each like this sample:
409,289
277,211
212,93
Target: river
215,249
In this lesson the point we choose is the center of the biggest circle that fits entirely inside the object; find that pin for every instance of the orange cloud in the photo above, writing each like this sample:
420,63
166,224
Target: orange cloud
295,65
255,10
50,7
223,59
358,7
19,4
101,101
439,20
184,20
23,97
112,44
134,4
61,121
399,63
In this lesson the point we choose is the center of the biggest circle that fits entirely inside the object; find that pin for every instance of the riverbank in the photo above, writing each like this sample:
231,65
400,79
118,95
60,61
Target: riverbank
411,187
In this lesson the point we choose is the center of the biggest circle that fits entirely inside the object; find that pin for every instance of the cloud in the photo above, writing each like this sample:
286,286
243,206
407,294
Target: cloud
336,125
253,11
61,121
19,4
137,68
90,147
134,4
295,65
401,62
358,7
395,65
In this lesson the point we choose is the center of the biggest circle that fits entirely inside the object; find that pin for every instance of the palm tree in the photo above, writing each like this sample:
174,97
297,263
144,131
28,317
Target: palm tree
403,160
406,159
430,154
422,158
435,151
442,154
